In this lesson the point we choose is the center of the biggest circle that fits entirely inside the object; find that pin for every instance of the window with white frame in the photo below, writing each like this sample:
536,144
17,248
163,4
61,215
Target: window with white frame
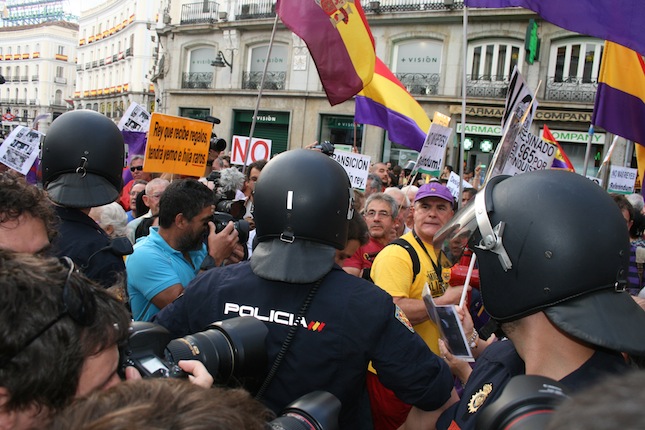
417,64
573,69
576,60
490,65
61,50
276,75
494,60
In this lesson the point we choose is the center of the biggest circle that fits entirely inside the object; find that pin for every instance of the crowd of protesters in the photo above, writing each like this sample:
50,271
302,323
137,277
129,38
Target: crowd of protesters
350,283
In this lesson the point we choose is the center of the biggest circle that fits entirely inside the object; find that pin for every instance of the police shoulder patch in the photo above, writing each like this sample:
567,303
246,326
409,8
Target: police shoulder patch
400,315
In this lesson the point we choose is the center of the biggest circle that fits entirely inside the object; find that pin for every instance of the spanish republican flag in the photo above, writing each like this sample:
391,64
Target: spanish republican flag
561,161
387,104
339,40
620,99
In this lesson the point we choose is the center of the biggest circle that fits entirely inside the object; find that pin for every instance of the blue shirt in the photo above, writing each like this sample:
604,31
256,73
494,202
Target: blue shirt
155,266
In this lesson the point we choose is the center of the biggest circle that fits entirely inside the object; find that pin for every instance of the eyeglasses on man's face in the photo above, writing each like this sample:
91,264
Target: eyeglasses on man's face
137,168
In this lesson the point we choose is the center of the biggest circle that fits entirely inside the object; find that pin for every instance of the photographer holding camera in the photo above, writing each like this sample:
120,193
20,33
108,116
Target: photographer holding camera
164,262
324,324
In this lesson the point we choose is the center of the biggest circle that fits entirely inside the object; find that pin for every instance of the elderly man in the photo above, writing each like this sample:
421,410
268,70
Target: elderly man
154,189
394,271
381,211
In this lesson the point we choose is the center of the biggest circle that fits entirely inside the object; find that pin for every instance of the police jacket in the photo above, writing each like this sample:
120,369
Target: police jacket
349,322
82,240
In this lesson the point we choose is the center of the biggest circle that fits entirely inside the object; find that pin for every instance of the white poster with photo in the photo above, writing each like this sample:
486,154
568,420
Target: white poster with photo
453,184
430,158
622,180
528,154
357,167
135,118
518,98
20,149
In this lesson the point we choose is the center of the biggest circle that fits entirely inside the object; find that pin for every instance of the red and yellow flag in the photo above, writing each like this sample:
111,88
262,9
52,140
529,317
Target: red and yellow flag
339,40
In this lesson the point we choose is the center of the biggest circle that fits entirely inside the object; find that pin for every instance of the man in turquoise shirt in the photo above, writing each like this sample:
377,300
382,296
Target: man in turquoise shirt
164,262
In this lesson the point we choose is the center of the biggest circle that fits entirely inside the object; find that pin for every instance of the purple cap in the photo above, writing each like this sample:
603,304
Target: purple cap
434,190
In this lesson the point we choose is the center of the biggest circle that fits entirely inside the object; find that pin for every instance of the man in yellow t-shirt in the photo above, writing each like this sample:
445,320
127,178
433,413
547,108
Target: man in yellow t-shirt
392,270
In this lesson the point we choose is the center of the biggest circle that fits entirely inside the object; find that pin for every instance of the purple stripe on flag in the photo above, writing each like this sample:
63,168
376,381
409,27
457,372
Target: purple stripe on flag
619,113
401,129
619,21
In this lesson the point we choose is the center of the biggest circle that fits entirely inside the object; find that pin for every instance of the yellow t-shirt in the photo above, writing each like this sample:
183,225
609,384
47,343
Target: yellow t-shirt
392,271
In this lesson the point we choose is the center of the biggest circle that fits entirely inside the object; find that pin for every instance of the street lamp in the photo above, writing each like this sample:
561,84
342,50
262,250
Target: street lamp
220,61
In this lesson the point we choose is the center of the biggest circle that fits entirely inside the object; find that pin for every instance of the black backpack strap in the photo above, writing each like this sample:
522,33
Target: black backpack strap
416,265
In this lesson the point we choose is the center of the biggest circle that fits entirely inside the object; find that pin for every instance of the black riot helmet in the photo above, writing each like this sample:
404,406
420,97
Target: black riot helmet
303,195
541,239
82,160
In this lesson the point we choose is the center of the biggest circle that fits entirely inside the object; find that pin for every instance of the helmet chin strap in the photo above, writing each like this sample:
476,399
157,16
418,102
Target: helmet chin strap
491,237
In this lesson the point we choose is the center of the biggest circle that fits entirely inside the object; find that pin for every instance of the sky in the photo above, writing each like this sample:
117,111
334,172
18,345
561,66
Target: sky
76,6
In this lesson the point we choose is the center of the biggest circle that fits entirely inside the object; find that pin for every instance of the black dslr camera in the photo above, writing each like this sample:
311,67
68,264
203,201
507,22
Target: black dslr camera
230,348
317,410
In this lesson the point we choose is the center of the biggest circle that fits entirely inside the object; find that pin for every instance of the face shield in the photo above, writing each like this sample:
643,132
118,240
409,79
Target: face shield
456,234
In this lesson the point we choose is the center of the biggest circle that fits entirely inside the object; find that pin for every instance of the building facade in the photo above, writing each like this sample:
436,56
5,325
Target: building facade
117,48
421,41
38,63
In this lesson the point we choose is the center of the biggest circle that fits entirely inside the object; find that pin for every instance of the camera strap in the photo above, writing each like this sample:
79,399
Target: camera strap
286,344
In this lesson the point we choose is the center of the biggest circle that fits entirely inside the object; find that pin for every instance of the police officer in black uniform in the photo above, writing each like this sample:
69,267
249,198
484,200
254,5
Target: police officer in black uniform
324,325
82,163
553,252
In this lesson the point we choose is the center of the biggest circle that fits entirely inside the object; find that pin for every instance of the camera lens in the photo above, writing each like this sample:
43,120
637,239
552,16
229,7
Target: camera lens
317,410
234,347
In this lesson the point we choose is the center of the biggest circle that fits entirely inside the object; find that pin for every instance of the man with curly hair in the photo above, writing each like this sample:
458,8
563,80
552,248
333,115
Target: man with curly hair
27,218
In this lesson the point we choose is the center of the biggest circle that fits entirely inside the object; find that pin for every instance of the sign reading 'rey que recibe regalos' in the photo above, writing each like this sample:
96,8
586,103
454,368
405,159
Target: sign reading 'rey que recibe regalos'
177,145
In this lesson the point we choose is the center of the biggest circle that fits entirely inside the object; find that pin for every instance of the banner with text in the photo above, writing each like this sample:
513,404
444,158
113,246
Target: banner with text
430,158
177,145
622,180
357,167
260,149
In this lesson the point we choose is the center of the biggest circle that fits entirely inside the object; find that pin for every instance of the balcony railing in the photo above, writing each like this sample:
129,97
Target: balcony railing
202,80
24,78
410,5
420,83
199,13
273,80
253,9
60,80
35,78
571,89
488,86
129,52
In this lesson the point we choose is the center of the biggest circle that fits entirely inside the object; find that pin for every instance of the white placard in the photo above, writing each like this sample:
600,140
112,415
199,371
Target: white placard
260,150
622,180
20,149
357,167
430,158
518,98
135,118
453,184
528,154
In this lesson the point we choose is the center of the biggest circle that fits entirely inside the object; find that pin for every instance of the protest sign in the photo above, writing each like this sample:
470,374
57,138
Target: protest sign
453,184
135,118
430,158
177,145
528,154
357,167
622,180
519,98
20,149
260,149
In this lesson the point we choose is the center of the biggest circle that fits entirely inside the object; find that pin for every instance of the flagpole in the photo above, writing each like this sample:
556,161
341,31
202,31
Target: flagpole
588,151
257,103
464,83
